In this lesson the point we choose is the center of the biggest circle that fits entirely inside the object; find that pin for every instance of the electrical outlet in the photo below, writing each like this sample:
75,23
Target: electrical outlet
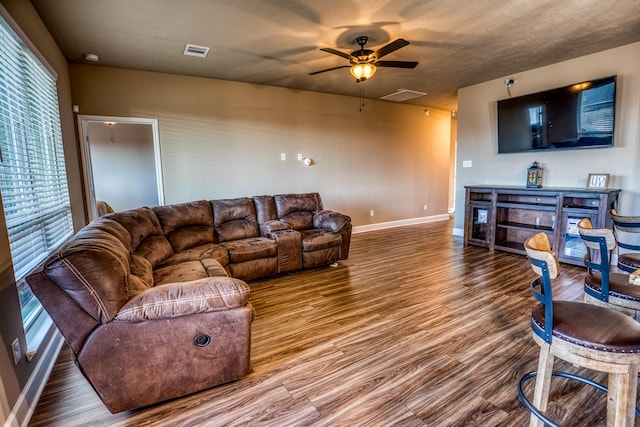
17,354
283,156
371,212
424,207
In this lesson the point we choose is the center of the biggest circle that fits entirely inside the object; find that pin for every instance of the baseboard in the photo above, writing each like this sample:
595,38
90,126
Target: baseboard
458,232
23,409
402,222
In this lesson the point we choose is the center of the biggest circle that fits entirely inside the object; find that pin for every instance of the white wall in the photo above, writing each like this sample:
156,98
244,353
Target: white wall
477,131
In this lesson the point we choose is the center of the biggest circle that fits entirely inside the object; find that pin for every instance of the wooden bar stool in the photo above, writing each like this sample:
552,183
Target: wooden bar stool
584,335
602,286
627,230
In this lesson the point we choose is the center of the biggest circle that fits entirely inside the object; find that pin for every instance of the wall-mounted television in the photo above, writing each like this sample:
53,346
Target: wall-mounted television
580,115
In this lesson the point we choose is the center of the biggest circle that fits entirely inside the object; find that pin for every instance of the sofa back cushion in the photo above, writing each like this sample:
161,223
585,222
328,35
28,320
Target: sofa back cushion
298,209
147,237
141,277
92,269
265,208
187,225
234,219
114,228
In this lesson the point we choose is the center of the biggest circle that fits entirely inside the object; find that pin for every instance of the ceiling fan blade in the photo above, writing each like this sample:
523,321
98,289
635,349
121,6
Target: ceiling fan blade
396,64
337,52
328,69
391,47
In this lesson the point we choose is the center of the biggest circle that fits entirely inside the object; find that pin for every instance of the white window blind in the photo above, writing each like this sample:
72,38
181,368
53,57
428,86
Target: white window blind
597,110
33,181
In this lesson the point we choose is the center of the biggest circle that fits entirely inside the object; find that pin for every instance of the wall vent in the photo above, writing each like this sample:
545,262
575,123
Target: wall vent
193,50
403,95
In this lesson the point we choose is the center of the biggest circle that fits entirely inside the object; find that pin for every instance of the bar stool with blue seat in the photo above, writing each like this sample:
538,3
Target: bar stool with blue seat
627,230
584,335
602,286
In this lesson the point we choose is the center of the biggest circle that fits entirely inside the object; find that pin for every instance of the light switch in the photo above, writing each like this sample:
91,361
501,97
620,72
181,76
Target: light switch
467,163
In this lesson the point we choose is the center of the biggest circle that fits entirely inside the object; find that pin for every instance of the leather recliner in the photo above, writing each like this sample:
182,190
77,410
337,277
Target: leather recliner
148,291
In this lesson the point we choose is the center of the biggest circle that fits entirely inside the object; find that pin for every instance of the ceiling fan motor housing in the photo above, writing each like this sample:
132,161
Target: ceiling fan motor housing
362,56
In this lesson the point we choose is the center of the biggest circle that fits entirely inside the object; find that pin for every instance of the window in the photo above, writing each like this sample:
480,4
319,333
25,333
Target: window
33,181
596,115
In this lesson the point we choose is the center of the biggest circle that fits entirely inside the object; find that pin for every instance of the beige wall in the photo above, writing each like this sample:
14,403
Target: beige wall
222,139
13,378
477,133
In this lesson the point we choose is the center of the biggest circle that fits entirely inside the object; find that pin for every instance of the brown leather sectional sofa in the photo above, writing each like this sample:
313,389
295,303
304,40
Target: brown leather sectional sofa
152,301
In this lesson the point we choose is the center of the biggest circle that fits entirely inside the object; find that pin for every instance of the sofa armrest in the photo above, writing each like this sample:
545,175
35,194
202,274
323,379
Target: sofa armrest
184,298
268,227
330,220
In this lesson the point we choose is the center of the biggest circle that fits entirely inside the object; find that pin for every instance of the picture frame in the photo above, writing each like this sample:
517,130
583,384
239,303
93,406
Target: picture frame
597,181
483,215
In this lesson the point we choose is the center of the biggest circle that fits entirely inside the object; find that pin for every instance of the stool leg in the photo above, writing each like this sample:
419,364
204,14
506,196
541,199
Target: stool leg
621,398
543,383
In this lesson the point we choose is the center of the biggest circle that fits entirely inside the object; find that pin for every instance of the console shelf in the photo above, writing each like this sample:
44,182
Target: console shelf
534,206
502,218
522,226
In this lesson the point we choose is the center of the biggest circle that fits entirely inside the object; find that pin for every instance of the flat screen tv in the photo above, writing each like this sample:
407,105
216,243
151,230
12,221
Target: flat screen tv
581,115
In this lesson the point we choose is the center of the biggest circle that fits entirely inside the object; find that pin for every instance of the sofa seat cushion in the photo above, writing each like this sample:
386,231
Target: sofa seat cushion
252,248
315,240
198,253
213,268
185,298
184,272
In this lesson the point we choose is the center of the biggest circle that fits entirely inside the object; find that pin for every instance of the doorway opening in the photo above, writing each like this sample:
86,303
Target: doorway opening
121,162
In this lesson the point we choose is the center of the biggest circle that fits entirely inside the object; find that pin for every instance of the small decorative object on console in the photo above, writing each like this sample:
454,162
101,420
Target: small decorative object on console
534,176
598,180
634,278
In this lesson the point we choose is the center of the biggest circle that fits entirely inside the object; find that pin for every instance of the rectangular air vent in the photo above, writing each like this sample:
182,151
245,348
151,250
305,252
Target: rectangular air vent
193,50
403,95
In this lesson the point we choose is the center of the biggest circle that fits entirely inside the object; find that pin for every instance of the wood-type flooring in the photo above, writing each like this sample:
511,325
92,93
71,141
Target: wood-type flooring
414,329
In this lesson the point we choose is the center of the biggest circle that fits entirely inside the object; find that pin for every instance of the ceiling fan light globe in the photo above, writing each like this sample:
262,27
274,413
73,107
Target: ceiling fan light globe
362,71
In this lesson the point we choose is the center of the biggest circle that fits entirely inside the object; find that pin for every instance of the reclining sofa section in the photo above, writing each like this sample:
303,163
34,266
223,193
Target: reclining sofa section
152,301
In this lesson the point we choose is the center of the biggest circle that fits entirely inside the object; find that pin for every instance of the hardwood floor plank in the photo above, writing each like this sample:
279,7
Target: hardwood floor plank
413,330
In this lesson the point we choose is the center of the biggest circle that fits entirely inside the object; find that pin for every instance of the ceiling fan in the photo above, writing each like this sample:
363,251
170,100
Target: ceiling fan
363,62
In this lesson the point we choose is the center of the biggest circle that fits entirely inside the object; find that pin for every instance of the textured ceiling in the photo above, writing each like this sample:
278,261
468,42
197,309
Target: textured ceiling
276,42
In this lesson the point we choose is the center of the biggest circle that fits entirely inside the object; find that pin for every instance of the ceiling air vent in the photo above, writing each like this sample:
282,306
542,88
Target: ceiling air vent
193,50
403,95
